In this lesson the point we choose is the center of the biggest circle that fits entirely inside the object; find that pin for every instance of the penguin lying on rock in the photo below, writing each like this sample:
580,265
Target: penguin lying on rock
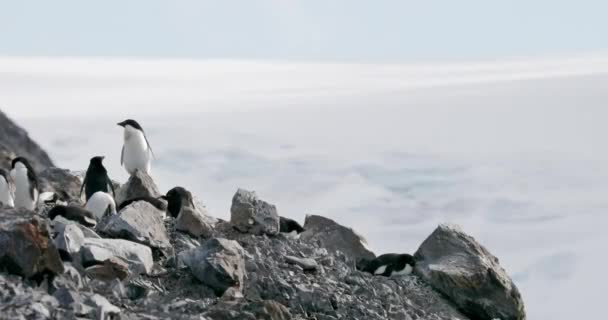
388,265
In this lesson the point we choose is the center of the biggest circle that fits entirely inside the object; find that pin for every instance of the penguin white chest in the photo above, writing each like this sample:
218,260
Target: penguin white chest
6,197
136,152
23,197
403,272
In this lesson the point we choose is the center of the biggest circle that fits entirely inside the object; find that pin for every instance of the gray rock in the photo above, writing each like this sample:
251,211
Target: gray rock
139,185
138,256
62,182
14,141
252,215
219,264
103,309
59,223
335,237
195,222
140,222
110,269
19,301
70,239
456,265
306,263
26,248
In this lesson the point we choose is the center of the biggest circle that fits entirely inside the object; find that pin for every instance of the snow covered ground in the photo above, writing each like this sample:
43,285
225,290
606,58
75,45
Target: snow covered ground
514,151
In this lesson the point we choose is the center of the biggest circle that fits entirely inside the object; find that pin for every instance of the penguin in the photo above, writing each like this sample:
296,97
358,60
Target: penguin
74,213
6,192
136,151
158,203
101,204
388,265
96,179
287,225
26,184
176,199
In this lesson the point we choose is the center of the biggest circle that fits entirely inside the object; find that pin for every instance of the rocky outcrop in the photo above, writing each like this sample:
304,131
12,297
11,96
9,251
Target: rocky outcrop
252,215
195,222
14,141
456,265
64,183
139,185
26,248
140,222
219,264
335,237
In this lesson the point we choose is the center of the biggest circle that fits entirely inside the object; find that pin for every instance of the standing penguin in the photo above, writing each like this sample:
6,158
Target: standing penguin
6,193
96,179
26,184
136,152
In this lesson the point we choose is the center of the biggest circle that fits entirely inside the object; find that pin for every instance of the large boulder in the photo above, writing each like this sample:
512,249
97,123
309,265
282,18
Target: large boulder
70,239
459,267
195,222
335,237
97,251
26,248
219,264
139,185
140,222
252,215
14,141
62,182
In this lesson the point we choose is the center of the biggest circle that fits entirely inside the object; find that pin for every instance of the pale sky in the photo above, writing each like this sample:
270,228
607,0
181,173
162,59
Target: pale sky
311,30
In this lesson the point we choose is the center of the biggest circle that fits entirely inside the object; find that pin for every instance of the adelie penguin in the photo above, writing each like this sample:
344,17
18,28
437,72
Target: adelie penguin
177,198
101,204
73,213
96,179
26,184
6,191
388,265
136,152
290,226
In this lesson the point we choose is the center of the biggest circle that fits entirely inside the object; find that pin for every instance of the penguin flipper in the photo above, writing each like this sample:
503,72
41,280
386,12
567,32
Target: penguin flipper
109,182
122,154
84,181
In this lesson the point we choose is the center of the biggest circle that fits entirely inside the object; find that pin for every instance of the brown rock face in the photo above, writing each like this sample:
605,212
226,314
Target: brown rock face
25,246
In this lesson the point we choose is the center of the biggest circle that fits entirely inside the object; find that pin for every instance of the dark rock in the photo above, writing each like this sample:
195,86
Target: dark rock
96,251
252,215
195,222
335,237
110,269
456,265
26,248
62,182
140,222
219,264
139,185
14,141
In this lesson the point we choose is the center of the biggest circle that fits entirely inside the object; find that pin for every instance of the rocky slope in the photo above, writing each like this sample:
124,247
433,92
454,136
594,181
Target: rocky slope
137,265
14,141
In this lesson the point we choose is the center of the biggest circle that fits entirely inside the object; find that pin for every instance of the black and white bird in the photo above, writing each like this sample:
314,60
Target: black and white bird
177,198
26,184
6,189
136,152
96,179
156,202
101,204
389,265
74,213
289,226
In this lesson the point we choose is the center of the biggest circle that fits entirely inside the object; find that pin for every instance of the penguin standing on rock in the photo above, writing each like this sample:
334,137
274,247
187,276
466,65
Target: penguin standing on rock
136,152
177,198
6,192
26,184
388,265
96,179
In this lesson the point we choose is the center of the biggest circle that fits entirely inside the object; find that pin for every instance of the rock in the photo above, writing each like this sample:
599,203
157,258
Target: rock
252,215
69,240
195,222
459,267
97,251
335,237
103,308
26,248
139,185
110,269
306,263
62,182
140,222
59,223
14,141
219,264
18,301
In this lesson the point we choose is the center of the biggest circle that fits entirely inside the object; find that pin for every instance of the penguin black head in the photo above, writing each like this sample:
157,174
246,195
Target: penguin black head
132,123
407,259
176,199
4,174
23,162
97,161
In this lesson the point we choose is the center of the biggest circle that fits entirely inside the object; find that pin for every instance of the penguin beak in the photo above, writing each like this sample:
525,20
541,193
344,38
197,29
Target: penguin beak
122,124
